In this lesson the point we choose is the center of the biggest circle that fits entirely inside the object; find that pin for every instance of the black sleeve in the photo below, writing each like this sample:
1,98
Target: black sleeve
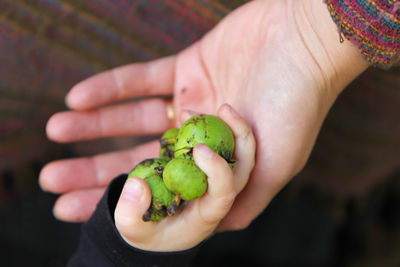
101,245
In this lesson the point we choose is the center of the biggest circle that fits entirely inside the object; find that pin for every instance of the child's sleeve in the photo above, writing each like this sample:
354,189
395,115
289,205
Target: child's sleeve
101,244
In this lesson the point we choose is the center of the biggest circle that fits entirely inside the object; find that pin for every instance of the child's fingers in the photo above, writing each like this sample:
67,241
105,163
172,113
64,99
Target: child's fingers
133,202
221,192
244,145
200,218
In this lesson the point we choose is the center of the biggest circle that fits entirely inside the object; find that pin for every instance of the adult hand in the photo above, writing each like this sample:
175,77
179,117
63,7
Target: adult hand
278,63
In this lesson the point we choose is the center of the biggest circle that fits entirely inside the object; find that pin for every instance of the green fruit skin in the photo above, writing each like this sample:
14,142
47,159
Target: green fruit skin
167,152
161,196
169,137
209,130
167,142
147,168
182,176
155,217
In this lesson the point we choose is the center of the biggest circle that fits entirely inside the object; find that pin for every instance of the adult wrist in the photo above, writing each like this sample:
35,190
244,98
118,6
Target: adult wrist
339,60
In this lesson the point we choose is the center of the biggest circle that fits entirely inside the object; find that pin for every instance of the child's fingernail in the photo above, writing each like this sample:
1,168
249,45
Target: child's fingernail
190,112
205,151
186,114
132,191
233,112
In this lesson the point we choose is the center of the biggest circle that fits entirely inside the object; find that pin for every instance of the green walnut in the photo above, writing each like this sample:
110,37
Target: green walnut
148,167
162,198
183,177
175,176
209,130
163,202
167,142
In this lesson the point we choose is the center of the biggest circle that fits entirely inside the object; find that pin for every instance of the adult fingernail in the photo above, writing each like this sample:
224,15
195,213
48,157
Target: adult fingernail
41,186
133,191
170,110
66,101
205,151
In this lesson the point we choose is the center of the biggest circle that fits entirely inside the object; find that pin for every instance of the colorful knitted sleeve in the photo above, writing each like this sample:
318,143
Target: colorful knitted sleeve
372,25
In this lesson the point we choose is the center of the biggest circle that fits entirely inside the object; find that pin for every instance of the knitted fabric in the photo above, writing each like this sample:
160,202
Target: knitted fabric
372,25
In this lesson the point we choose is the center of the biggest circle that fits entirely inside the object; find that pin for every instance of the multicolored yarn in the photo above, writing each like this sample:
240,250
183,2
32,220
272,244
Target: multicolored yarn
372,25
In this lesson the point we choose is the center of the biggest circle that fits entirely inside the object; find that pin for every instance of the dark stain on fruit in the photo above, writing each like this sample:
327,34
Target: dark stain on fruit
198,119
147,162
171,210
159,170
188,154
227,156
163,143
167,153
154,214
147,215
206,136
163,212
157,205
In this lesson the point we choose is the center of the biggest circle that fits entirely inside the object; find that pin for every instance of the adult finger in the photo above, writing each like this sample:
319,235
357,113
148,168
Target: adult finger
139,79
77,206
74,174
249,204
137,118
245,145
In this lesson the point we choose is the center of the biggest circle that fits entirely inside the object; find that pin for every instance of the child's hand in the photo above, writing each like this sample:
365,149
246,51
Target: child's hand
200,217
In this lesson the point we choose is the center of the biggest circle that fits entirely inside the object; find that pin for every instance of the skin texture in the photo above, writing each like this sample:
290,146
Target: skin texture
208,130
282,78
182,176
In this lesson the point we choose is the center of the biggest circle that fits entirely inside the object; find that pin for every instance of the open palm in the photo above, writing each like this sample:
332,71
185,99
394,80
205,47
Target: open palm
258,59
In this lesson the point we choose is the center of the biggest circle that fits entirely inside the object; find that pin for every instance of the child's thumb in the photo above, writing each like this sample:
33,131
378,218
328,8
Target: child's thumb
133,202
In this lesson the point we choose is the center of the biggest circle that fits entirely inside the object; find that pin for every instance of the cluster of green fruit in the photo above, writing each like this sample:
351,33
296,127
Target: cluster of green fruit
174,176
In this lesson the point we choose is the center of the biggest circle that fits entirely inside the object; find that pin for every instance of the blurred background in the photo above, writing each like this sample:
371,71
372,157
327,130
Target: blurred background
47,46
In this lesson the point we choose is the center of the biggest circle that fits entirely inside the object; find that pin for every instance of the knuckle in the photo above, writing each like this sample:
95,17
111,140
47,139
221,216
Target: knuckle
226,201
240,225
298,167
245,132
124,221
252,163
